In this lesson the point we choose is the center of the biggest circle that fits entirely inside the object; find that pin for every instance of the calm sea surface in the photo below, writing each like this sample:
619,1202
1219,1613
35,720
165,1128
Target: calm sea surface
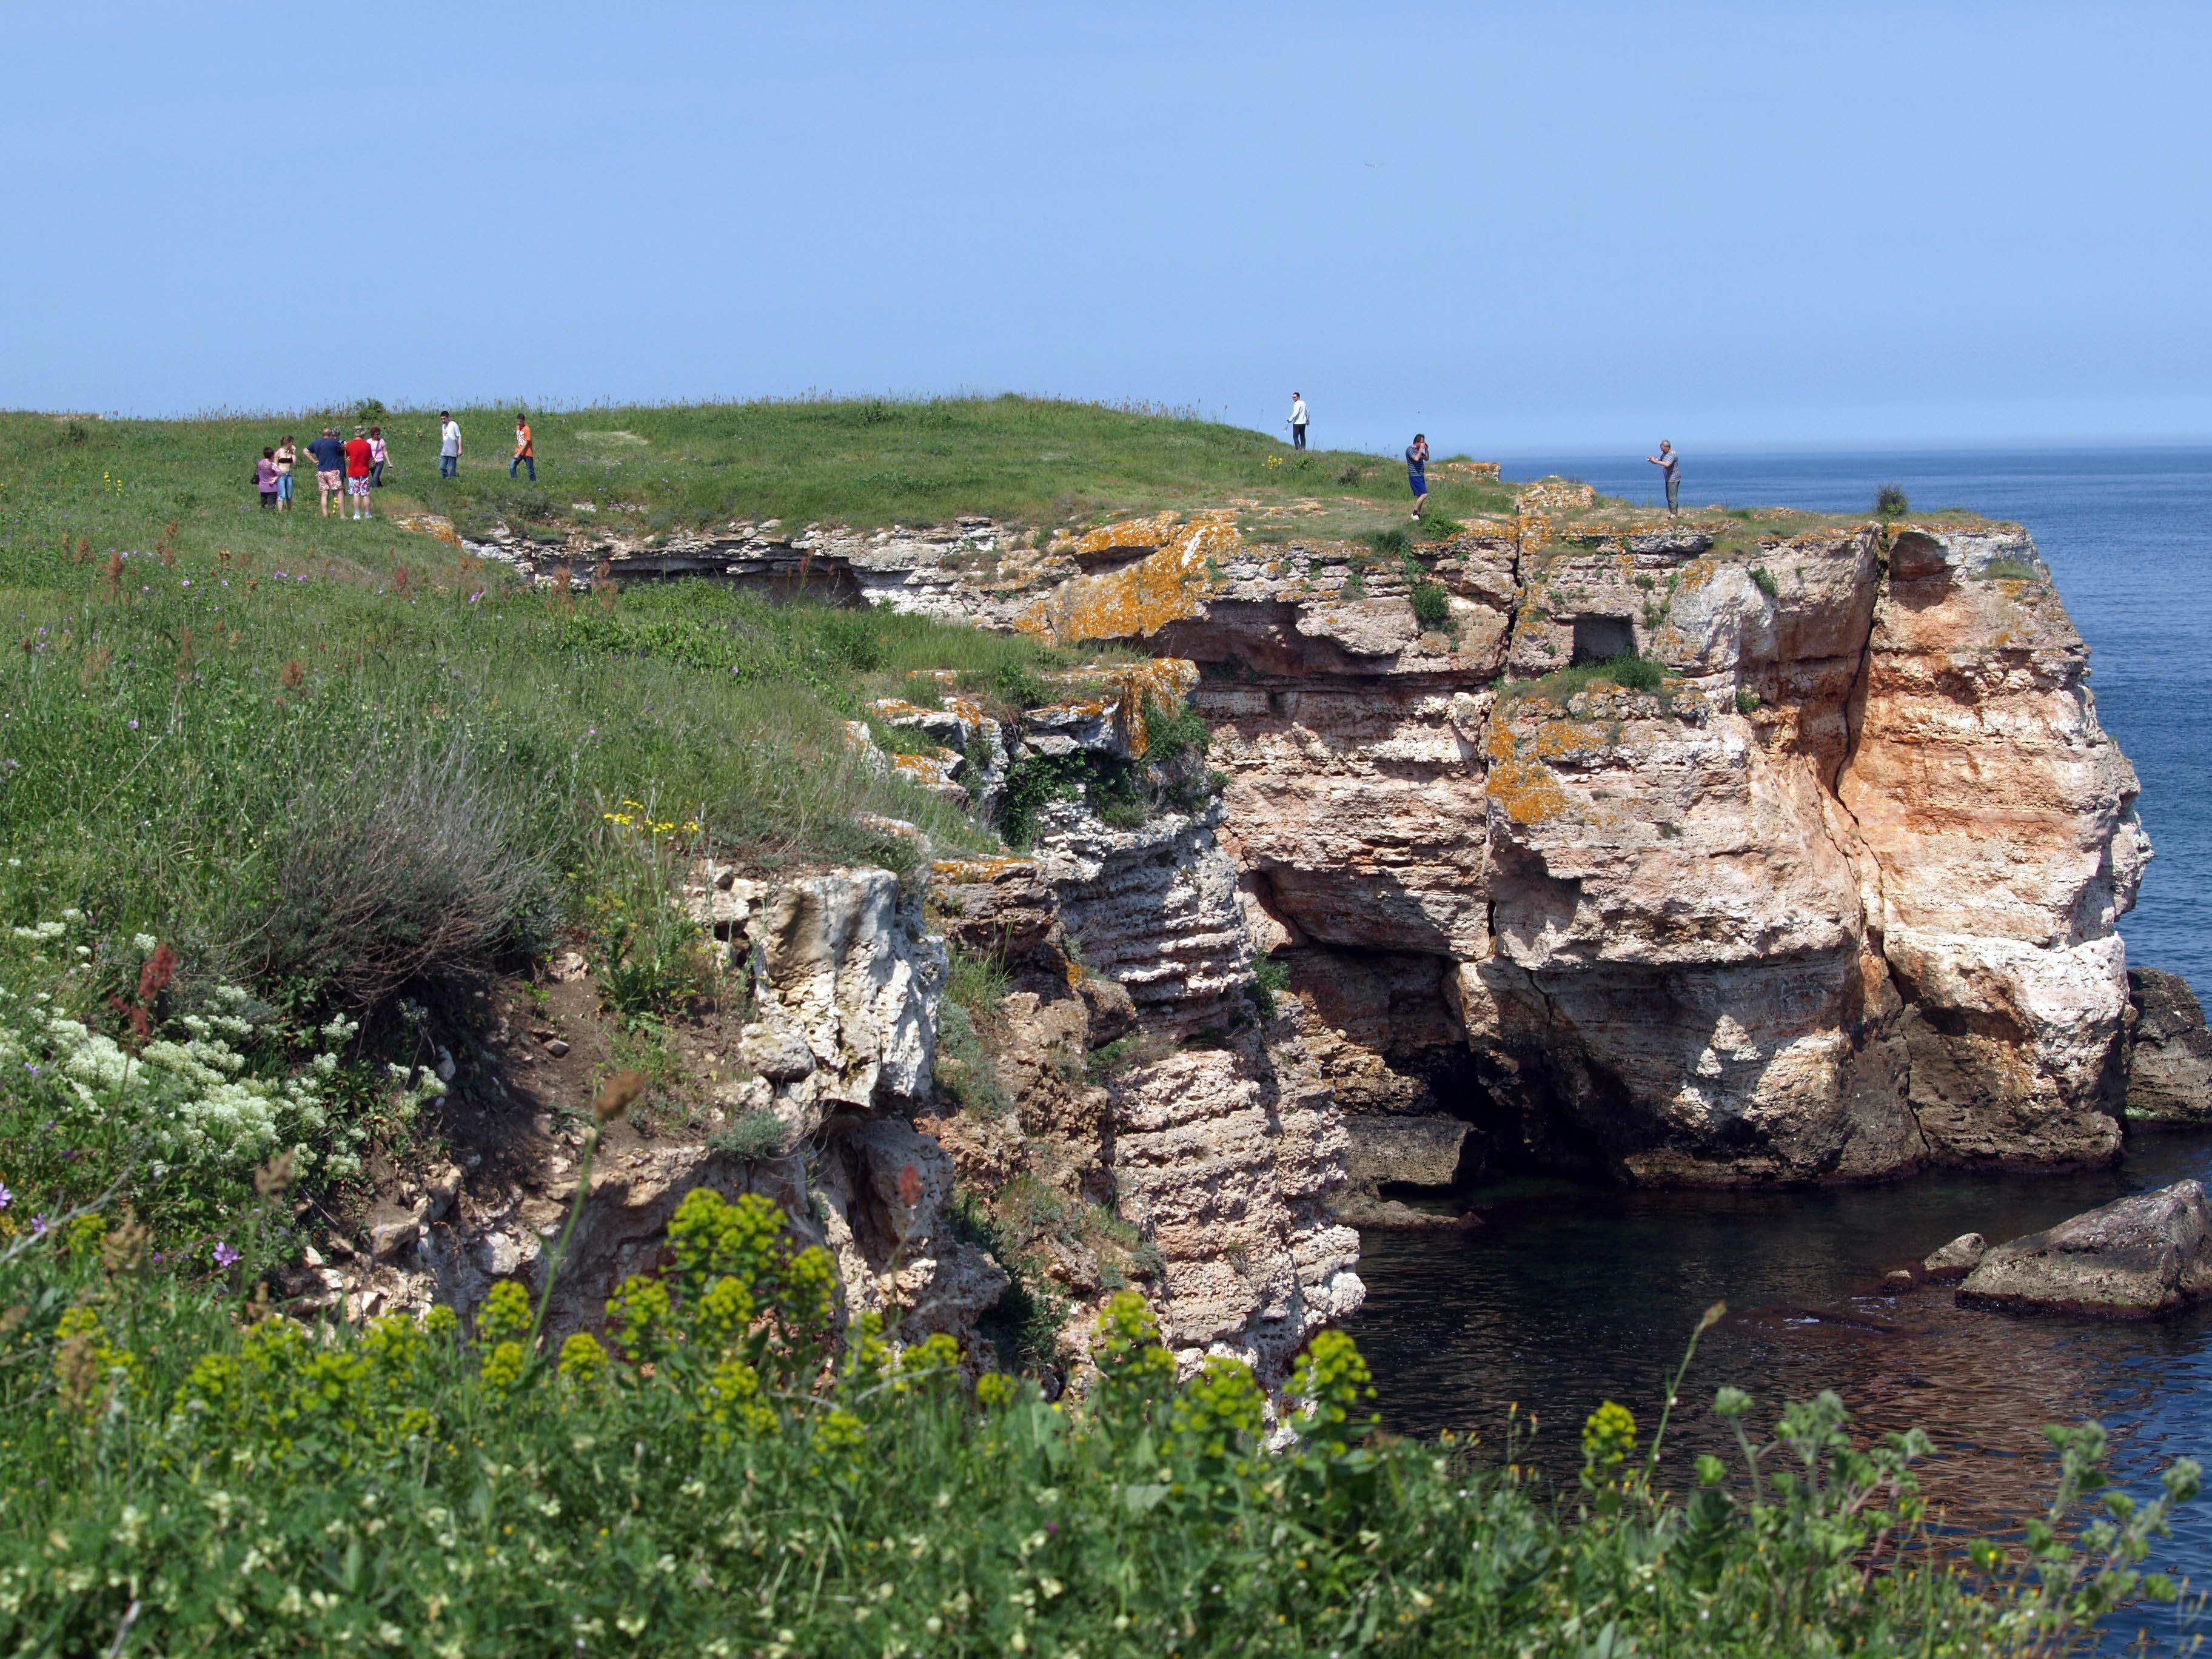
1568,1295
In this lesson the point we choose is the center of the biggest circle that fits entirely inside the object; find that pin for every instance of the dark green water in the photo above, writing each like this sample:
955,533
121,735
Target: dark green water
1567,1296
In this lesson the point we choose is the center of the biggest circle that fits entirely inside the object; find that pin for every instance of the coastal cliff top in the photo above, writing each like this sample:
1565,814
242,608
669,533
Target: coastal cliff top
639,471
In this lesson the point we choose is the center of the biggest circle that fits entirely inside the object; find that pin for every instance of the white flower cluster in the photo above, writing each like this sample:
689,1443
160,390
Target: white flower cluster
197,1101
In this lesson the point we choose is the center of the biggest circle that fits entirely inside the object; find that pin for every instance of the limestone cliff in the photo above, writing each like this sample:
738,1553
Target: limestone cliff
1821,885
1825,890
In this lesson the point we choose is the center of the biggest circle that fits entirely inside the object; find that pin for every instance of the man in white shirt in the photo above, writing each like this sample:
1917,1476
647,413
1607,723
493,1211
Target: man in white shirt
449,444
1298,419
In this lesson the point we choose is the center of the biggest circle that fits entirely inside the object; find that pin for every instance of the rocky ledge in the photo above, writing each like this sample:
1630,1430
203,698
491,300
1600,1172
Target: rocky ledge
1735,848
1686,851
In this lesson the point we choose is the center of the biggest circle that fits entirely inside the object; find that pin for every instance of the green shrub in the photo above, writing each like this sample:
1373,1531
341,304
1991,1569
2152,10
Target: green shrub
1390,544
1173,732
709,1473
1636,673
1031,782
1438,527
1271,977
1747,702
1889,502
758,1134
1355,583
1763,579
964,1065
1019,686
1431,605
1632,672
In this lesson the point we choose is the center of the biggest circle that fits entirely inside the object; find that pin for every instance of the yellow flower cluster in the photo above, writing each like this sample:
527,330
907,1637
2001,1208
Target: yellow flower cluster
638,816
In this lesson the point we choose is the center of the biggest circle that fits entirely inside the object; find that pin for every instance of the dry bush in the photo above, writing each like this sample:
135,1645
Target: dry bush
392,876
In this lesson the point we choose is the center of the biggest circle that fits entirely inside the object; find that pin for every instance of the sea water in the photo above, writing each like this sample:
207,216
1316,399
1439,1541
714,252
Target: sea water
1566,1296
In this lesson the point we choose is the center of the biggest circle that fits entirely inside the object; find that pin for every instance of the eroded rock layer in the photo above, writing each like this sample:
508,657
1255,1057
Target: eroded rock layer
1681,853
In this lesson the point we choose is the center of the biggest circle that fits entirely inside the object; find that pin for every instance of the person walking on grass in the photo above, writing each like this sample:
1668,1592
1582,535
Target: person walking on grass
1298,420
1670,463
1417,470
377,454
526,453
287,456
329,467
359,459
264,479
449,444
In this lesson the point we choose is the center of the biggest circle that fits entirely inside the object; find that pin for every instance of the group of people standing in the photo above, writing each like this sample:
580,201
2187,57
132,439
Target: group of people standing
1417,460
347,469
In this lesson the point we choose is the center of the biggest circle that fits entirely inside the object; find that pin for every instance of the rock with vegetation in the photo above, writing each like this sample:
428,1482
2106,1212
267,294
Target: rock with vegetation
1707,891
2136,1258
2169,1050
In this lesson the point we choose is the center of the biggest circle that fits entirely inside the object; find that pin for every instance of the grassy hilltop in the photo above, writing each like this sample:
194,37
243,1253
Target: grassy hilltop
282,797
1025,461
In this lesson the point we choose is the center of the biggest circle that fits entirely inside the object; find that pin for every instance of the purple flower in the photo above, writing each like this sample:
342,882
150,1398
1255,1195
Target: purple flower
38,1226
134,725
224,1255
6,1197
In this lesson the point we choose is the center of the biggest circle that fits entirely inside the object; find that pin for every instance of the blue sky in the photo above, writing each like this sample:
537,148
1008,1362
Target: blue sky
1558,228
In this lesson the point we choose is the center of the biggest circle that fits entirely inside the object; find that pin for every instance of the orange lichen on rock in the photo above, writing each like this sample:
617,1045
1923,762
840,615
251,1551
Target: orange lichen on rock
1525,790
1129,534
1139,599
1557,738
892,708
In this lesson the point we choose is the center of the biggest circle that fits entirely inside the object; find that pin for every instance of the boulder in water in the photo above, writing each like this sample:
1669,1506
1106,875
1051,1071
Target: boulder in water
1957,1259
2170,1050
2142,1256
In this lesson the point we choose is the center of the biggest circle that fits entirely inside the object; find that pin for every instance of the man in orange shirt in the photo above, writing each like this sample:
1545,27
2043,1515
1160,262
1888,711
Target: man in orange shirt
526,453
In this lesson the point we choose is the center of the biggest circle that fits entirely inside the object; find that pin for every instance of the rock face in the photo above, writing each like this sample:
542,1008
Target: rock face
1823,887
1421,1151
2141,1256
1213,1138
847,985
1957,1259
2170,1062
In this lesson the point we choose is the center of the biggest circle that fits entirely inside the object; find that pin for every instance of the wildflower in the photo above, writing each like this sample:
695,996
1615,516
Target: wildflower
503,1366
6,1197
505,1313
583,1361
134,725
1609,1436
38,1225
143,944
224,1255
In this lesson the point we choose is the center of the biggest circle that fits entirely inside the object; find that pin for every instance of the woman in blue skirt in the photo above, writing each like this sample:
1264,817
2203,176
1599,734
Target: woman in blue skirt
1417,464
